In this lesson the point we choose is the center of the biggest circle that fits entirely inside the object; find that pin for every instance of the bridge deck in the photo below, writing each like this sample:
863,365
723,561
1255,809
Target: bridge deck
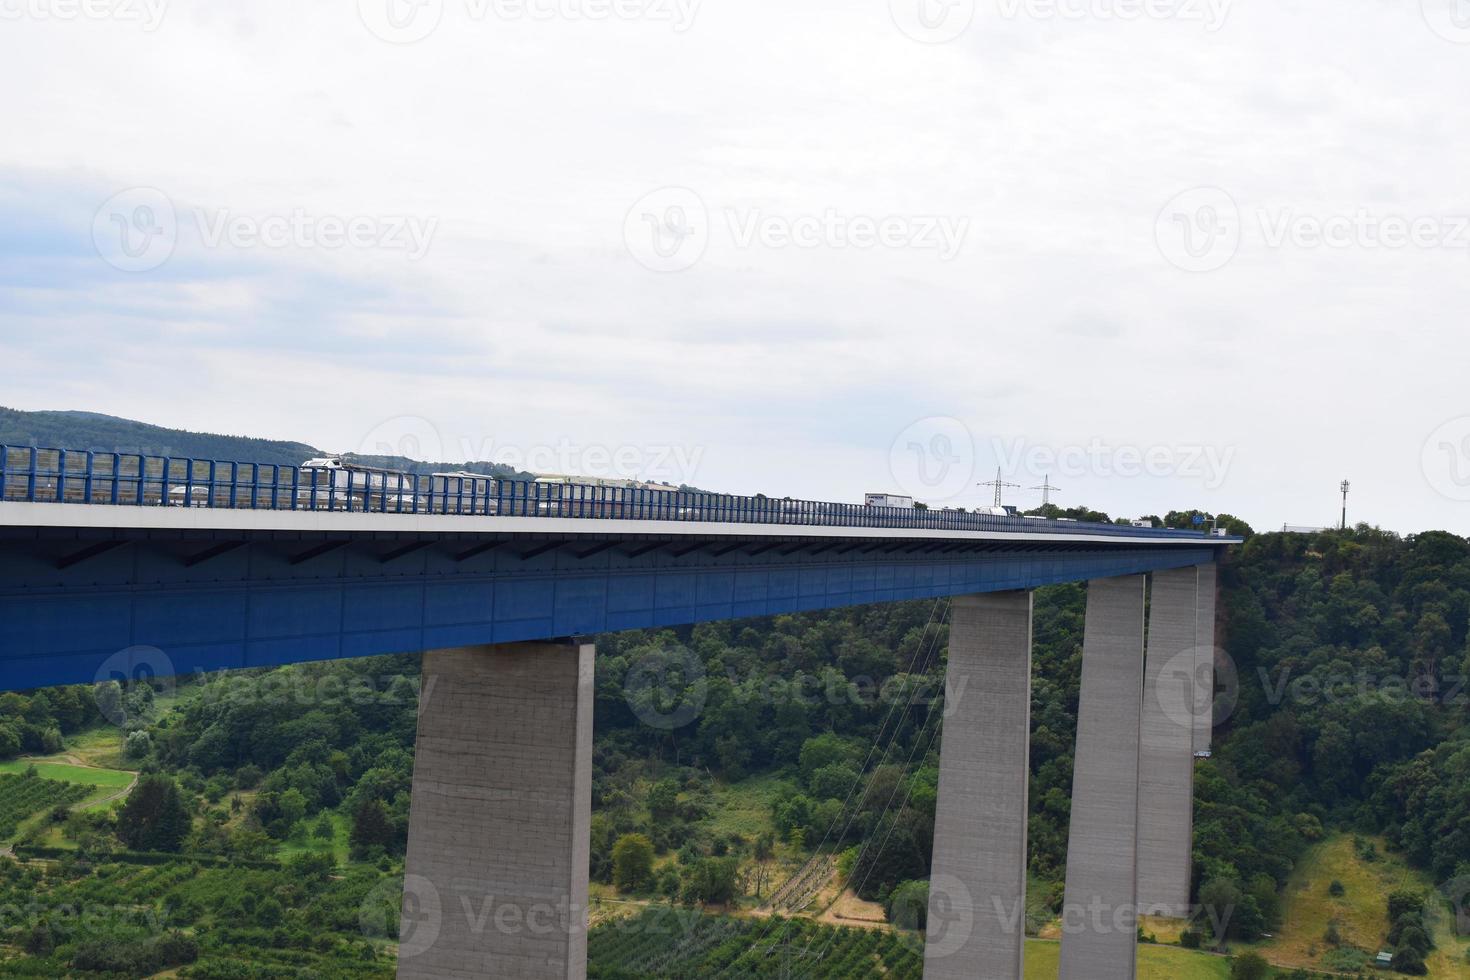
227,581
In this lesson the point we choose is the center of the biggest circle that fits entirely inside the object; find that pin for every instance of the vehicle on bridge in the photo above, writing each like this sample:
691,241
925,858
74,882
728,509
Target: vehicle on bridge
185,496
334,483
888,500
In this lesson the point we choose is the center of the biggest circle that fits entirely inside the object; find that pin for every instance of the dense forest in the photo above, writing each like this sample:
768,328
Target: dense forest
744,765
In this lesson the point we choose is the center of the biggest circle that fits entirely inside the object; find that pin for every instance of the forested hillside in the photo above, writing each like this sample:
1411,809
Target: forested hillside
106,433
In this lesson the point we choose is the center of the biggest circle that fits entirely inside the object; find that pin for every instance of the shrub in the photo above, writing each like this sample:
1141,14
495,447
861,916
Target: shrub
1409,960
1402,903
1336,890
1249,966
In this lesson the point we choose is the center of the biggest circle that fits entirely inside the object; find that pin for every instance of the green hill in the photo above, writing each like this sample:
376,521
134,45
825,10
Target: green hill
106,433
109,434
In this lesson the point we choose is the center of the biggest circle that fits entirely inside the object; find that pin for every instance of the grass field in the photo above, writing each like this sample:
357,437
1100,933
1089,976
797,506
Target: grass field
744,808
1360,913
339,845
100,746
67,773
1154,962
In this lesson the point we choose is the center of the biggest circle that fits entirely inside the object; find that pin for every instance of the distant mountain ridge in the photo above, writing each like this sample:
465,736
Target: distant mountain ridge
110,434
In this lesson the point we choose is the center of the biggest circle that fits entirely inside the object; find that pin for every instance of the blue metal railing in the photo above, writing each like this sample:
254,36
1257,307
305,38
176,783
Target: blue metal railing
39,475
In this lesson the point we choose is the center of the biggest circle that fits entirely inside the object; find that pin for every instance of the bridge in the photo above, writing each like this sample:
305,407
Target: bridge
125,565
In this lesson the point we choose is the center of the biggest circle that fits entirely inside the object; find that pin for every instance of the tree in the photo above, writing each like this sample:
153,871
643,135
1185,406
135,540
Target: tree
908,905
835,781
663,799
40,941
632,858
825,750
371,827
10,743
292,808
1221,899
138,744
1249,966
154,817
323,829
712,880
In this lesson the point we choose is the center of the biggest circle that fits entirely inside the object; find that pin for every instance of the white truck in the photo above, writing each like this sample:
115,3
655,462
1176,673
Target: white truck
335,483
888,500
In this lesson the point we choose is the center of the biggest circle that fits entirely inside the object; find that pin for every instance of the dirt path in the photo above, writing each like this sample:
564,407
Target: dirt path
118,795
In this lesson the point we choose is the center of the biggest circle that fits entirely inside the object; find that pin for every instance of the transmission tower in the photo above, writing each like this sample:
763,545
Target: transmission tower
1046,490
999,485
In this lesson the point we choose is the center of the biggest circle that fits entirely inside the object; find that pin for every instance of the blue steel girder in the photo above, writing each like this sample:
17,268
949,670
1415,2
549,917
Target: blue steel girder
234,597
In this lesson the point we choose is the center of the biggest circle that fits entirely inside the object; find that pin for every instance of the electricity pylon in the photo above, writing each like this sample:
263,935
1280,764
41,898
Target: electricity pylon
1046,490
999,485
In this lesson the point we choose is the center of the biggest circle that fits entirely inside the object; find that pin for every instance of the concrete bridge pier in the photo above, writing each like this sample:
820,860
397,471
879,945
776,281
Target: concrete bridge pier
977,893
496,874
1204,626
1099,910
1166,751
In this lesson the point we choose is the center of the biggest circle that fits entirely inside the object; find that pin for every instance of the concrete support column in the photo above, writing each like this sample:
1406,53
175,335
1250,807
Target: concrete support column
496,875
1204,626
1166,749
977,894
1099,911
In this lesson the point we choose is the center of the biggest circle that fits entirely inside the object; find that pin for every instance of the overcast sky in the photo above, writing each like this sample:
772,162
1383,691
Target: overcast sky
1174,253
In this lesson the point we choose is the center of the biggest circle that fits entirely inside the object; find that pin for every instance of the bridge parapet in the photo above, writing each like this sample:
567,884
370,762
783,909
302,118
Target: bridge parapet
42,475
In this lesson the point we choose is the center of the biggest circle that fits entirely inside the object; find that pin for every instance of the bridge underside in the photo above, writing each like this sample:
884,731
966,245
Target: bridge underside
72,598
